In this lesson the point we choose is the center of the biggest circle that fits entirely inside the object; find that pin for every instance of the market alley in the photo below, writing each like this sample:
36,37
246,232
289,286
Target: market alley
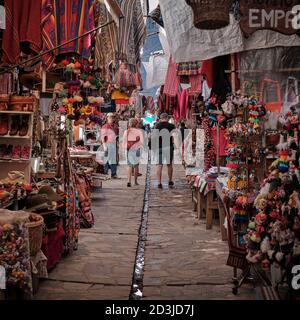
182,259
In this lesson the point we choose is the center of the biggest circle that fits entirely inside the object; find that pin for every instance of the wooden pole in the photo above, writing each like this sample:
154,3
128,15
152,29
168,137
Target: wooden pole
233,73
44,80
218,149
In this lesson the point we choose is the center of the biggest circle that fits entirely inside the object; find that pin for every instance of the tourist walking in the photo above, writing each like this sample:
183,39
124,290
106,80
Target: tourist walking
109,135
133,141
164,154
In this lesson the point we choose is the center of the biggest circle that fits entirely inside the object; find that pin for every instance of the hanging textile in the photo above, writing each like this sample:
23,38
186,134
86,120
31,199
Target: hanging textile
196,85
207,70
22,33
183,102
63,20
188,68
172,81
132,33
106,42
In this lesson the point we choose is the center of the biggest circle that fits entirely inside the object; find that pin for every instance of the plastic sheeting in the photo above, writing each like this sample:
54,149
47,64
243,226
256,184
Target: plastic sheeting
188,43
156,70
268,74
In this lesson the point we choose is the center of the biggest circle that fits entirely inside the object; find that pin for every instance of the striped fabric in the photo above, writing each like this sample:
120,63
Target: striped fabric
106,42
63,20
196,85
172,80
132,33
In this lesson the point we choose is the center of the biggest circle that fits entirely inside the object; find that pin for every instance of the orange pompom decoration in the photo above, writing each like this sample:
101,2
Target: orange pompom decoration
72,100
65,62
77,65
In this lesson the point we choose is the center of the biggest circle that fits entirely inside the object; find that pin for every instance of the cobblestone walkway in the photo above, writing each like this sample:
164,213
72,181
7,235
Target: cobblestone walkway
183,260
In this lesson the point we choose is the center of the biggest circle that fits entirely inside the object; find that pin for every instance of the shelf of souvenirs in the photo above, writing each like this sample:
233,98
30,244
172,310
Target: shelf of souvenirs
15,137
14,161
16,112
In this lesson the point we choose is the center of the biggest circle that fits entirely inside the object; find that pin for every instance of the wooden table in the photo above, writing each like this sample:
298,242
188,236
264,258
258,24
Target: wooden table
222,211
205,202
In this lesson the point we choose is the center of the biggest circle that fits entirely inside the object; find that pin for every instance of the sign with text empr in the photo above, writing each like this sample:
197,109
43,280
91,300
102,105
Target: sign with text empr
282,16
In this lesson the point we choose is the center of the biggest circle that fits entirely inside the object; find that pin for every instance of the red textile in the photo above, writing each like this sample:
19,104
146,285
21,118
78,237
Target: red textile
207,70
122,101
23,29
223,141
183,102
196,85
53,246
172,80
63,20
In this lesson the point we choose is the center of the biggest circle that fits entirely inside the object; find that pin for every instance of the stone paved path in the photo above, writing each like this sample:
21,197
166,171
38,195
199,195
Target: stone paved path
102,267
183,260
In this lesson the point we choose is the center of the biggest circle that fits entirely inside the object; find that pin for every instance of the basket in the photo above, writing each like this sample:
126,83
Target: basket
35,230
210,14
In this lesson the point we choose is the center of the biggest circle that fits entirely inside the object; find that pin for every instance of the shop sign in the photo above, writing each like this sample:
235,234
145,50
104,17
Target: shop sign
2,17
282,16
296,278
2,278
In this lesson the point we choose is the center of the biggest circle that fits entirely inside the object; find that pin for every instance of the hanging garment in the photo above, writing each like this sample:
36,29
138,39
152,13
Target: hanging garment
22,33
172,80
188,68
196,85
291,96
223,141
106,42
63,20
183,102
207,70
156,16
6,83
206,91
132,33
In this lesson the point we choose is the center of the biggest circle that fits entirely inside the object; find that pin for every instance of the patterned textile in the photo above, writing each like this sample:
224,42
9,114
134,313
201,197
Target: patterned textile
150,104
22,31
6,83
63,20
156,16
196,85
126,78
106,42
188,68
132,33
172,81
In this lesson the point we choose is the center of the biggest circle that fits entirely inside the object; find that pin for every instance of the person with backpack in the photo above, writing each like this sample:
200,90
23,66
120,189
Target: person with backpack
133,142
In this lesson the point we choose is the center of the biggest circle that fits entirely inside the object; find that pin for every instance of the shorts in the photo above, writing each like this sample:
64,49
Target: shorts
165,156
133,158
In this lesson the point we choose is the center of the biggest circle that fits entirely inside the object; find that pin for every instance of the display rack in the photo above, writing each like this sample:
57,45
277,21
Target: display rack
7,165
